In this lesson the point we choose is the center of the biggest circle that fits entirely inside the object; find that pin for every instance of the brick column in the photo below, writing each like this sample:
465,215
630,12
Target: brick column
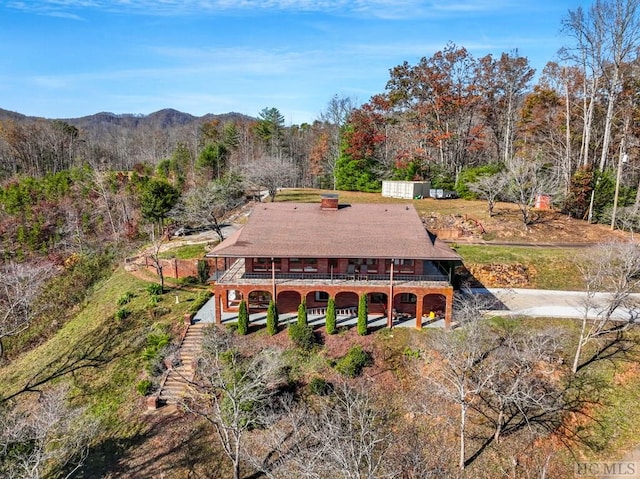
448,313
217,294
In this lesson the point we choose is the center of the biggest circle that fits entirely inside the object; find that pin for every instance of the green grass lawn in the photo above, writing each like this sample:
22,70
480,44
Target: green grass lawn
188,251
554,268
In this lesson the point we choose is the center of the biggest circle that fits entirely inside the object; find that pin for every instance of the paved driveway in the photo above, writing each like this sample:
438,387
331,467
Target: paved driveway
546,303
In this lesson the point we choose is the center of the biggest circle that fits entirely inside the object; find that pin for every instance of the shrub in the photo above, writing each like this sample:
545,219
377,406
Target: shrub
243,318
320,387
154,289
411,353
331,316
352,363
145,387
157,342
203,271
122,314
302,335
362,315
272,318
125,298
153,301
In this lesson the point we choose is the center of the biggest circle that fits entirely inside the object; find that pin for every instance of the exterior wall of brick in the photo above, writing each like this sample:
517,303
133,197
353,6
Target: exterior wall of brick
427,299
182,268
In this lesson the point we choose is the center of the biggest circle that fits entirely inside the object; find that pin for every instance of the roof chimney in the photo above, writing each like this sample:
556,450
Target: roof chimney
329,201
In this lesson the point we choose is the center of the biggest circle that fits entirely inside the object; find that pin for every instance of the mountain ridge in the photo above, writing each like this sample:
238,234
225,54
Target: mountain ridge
164,118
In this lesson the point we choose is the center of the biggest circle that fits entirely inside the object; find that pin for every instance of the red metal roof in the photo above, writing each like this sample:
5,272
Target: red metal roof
299,230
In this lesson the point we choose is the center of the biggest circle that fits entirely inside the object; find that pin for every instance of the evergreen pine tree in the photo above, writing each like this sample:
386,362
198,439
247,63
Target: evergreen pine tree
302,313
243,318
331,316
362,315
272,318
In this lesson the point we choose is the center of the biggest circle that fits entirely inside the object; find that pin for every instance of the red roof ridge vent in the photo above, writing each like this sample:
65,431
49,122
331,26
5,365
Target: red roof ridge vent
329,201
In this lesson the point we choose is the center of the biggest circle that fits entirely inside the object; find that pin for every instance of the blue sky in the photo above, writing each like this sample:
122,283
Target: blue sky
70,58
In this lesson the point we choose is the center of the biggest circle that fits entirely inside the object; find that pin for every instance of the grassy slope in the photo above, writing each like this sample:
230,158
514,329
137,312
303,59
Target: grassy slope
106,355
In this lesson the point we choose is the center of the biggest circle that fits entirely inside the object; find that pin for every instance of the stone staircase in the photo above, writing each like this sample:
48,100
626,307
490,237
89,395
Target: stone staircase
178,377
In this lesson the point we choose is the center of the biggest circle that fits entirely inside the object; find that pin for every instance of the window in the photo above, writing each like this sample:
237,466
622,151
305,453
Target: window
378,298
303,264
371,264
264,264
310,264
407,298
400,265
321,297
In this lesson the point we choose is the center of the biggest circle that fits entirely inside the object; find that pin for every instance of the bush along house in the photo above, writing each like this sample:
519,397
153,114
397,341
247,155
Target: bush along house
295,252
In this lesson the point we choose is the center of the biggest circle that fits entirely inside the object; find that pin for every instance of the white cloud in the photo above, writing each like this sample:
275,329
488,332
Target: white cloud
384,9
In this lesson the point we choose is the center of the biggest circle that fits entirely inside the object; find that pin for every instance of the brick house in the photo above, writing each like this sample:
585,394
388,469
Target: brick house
295,251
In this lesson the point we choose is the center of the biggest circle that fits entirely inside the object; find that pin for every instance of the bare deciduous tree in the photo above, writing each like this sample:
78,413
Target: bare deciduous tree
526,180
352,434
464,373
46,437
611,273
271,173
232,390
20,284
490,188
208,204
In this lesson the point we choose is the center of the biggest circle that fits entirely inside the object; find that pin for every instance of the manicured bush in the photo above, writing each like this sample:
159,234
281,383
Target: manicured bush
243,318
330,322
272,318
302,313
362,315
302,335
352,363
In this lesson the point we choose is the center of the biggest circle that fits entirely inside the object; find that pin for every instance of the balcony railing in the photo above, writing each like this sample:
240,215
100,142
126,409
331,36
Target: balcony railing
346,276
237,273
332,277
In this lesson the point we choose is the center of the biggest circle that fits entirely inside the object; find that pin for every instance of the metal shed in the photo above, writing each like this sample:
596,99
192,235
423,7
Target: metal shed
406,189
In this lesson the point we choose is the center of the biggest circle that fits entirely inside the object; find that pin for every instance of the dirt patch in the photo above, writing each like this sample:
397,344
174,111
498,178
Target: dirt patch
472,222
496,275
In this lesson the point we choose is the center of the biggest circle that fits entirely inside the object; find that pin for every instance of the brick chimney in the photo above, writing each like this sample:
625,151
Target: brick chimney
329,201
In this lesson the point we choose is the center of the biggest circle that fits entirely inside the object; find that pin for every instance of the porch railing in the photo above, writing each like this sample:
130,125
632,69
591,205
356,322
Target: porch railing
346,277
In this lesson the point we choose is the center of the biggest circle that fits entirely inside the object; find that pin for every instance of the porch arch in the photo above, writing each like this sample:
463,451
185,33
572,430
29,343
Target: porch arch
288,301
434,303
346,299
258,300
